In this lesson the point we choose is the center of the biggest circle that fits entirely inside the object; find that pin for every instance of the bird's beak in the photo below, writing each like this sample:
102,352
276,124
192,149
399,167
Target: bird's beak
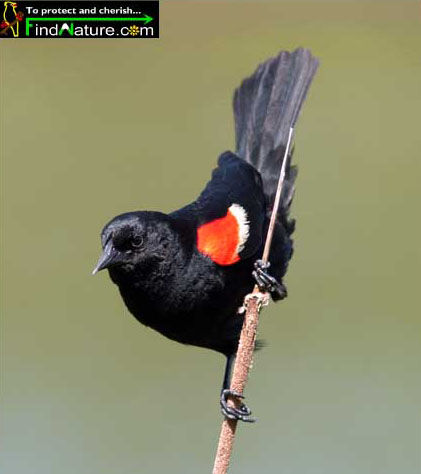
107,258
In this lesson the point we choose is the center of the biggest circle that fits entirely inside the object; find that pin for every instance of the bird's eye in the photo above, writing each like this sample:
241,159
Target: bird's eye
137,242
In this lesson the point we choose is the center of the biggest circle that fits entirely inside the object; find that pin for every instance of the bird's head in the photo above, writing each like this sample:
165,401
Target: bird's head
135,240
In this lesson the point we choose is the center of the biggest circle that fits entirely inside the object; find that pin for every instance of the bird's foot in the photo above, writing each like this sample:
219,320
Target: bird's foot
266,282
241,413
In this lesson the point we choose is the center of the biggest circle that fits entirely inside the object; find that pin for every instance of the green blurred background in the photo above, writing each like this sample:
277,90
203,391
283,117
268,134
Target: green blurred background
91,128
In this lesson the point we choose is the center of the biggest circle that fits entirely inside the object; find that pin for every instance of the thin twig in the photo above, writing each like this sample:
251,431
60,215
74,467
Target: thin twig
277,199
253,303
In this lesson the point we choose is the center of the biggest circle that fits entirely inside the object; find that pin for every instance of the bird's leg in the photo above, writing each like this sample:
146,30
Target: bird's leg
268,283
242,412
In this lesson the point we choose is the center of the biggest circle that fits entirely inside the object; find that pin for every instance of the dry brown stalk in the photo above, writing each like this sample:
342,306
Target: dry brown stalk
253,304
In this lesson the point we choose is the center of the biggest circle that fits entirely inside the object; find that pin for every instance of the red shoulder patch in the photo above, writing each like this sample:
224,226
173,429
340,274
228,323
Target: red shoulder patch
222,239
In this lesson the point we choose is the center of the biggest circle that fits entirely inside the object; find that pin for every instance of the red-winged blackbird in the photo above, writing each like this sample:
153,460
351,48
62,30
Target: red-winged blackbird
186,273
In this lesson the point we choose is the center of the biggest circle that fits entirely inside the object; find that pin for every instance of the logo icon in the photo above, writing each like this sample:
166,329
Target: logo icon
134,30
11,19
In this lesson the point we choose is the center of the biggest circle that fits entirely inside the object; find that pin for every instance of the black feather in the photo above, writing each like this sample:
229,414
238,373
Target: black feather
266,105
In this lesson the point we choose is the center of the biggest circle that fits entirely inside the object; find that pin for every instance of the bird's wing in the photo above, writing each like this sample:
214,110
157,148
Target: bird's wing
230,212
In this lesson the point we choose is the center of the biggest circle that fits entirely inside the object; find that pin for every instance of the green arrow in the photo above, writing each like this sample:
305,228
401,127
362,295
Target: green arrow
147,19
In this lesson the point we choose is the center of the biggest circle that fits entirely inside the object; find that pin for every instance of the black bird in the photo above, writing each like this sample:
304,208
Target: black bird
186,273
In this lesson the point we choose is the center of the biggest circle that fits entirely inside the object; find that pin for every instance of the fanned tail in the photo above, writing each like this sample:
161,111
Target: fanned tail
266,105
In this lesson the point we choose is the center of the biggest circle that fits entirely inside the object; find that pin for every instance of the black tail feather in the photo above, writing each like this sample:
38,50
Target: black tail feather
266,105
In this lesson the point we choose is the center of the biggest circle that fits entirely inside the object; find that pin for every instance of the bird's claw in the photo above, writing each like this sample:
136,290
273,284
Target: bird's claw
241,413
266,282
